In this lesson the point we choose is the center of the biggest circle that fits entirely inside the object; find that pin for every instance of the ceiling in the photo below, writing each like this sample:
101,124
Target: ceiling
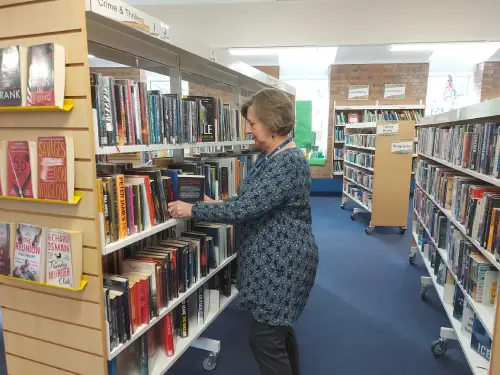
185,2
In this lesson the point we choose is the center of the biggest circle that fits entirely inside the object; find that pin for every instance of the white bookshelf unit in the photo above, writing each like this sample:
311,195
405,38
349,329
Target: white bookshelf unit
488,315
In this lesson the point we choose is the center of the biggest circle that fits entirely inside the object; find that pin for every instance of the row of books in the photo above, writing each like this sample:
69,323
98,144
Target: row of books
473,203
161,340
339,135
360,158
470,327
44,169
338,166
476,147
129,114
33,76
363,140
142,279
135,199
45,255
362,178
338,153
358,194
353,117
405,115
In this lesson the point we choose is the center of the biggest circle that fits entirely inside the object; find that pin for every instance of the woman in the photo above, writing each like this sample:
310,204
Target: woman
277,253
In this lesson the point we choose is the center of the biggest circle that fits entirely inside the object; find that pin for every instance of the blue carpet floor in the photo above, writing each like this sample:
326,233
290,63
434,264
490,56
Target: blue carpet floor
364,315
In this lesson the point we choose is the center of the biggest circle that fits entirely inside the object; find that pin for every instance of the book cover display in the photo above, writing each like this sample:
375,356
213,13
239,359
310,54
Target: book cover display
64,258
191,188
19,175
29,253
13,72
7,234
56,168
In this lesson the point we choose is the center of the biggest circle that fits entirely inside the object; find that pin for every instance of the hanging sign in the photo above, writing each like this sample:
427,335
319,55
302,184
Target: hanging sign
387,129
358,92
124,13
394,91
402,146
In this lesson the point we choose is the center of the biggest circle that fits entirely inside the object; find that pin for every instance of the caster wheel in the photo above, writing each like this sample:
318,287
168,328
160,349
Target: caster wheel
423,293
210,362
412,259
439,347
369,230
353,217
342,206
402,230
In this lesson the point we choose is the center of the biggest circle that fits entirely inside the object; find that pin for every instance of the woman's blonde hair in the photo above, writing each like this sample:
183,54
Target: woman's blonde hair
273,109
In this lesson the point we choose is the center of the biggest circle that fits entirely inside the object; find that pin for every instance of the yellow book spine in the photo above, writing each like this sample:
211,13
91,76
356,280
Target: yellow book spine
122,209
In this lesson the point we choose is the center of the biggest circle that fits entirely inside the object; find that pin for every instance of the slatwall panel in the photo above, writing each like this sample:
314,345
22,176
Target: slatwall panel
47,330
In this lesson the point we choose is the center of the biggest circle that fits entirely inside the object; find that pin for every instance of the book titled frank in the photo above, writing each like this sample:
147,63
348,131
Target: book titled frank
7,235
29,253
46,75
13,76
191,188
21,169
56,177
64,258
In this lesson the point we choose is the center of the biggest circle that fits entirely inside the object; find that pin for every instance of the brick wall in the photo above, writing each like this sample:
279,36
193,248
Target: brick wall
200,90
487,80
271,70
123,73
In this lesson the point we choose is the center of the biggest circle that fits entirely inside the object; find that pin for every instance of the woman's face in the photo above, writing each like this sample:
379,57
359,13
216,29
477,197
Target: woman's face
260,134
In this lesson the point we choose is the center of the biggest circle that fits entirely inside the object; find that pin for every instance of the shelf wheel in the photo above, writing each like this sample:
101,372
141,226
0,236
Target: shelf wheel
342,205
353,216
423,293
370,230
412,259
210,362
402,230
439,347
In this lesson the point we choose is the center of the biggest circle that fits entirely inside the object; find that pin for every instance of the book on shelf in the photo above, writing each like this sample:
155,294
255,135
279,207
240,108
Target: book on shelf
191,188
358,194
353,117
7,242
18,160
458,303
480,341
13,76
339,135
362,140
30,253
64,258
46,77
468,317
362,178
363,159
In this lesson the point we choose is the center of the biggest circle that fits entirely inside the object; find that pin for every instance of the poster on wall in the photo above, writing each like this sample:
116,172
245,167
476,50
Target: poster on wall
358,92
394,91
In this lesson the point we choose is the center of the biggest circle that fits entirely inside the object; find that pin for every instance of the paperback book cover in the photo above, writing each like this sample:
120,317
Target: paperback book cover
64,258
480,341
7,235
56,168
29,253
191,188
20,169
13,68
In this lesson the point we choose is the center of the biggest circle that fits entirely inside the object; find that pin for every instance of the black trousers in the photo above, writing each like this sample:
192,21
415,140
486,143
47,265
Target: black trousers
275,349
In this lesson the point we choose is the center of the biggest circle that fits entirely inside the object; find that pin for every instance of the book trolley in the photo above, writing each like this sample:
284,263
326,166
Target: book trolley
51,331
468,311
374,151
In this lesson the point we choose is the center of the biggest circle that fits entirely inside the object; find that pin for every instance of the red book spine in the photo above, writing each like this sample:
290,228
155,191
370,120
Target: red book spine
138,310
169,335
145,302
19,182
149,194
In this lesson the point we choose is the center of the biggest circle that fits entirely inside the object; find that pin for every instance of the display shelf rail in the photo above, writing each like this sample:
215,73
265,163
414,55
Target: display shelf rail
163,363
172,305
80,287
462,229
364,206
340,173
163,147
357,183
67,106
486,314
77,198
360,147
336,141
479,176
120,244
358,165
362,125
478,364
387,107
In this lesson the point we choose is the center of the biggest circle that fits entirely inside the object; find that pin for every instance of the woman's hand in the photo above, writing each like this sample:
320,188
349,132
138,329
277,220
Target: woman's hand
180,209
207,199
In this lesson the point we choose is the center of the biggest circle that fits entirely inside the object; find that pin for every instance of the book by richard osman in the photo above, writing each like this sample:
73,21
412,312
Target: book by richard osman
64,258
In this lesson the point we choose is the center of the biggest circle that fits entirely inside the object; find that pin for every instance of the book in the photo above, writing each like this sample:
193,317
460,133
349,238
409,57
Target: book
468,318
480,341
64,261
46,77
29,253
13,76
56,168
20,160
7,240
191,188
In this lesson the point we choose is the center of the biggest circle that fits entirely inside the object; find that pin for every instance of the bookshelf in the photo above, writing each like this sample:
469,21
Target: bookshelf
48,330
441,231
373,151
366,116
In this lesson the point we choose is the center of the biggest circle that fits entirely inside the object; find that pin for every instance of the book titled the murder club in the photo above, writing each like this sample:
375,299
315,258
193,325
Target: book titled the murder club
41,75
29,253
11,85
59,269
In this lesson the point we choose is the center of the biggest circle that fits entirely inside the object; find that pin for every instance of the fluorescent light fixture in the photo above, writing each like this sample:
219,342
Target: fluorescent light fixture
413,47
91,56
266,51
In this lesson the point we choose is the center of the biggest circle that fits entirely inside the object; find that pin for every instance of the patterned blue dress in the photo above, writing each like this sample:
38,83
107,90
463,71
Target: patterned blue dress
277,252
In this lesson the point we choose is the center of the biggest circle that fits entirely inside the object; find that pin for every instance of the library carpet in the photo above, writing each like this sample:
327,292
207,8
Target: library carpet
364,315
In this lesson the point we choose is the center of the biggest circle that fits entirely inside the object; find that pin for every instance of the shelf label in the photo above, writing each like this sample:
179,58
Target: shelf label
358,92
394,91
402,146
124,13
387,129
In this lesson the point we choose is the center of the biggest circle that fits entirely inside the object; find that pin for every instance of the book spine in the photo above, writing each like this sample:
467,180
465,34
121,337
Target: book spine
143,355
184,319
131,210
122,206
169,335
201,305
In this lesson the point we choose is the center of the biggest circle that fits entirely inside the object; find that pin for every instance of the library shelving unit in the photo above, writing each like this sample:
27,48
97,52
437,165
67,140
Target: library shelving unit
49,331
367,114
447,281
377,168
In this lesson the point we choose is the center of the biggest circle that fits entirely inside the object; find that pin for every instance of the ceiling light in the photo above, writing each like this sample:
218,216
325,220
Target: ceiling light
412,47
265,51
90,56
